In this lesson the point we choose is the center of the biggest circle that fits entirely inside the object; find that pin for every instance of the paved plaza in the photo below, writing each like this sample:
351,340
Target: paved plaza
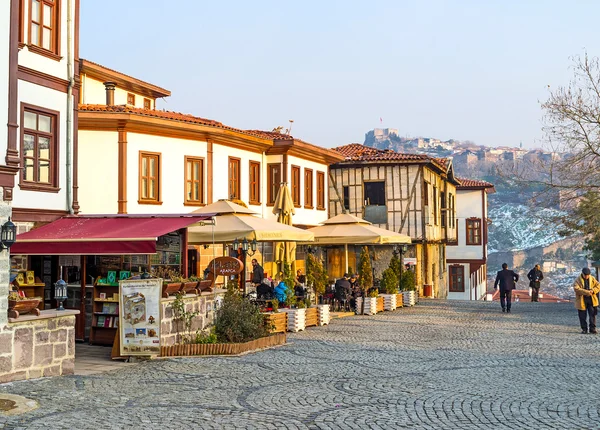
438,365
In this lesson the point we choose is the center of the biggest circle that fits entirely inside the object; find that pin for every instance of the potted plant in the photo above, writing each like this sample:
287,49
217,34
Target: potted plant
389,284
19,305
172,281
189,285
368,306
408,286
317,279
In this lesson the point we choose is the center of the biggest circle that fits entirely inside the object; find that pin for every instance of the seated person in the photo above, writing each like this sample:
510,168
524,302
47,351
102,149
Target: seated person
279,290
300,278
299,291
342,288
264,291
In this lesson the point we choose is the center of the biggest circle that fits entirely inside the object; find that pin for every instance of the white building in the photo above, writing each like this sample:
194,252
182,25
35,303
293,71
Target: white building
466,255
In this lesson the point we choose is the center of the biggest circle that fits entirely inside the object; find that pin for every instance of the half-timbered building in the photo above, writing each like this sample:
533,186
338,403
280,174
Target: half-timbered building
412,194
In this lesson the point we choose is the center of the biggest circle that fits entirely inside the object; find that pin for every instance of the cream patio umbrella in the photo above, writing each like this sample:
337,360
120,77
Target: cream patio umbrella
284,209
233,221
347,229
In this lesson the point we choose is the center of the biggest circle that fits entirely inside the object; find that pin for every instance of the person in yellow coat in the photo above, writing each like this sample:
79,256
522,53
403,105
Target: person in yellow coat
586,300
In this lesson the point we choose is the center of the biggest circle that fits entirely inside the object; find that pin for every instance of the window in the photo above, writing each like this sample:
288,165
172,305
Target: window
320,190
443,206
474,231
147,104
457,278
43,24
296,185
234,178
273,182
149,177
452,214
375,193
308,188
426,194
194,181
254,183
346,192
39,147
435,205
131,99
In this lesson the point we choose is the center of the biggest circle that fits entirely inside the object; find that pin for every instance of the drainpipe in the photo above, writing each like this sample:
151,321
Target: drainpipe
69,107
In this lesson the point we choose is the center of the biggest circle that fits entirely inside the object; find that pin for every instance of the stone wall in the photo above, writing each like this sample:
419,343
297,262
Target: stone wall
204,304
38,346
5,212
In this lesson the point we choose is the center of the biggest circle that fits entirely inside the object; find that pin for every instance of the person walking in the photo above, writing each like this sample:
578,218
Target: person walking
586,300
535,277
258,274
506,280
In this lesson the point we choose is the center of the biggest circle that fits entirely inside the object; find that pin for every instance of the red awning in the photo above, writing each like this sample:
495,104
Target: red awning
101,235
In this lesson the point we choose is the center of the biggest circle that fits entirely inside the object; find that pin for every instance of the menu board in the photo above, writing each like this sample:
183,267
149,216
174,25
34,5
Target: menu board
139,316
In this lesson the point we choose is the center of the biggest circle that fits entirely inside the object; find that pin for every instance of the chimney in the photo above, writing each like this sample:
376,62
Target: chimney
110,93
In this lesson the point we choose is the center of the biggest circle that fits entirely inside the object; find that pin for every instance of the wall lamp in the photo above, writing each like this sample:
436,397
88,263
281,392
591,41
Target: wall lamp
8,234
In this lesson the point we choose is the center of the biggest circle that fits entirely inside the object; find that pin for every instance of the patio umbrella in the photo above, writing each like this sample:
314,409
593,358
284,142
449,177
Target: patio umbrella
284,209
235,221
347,229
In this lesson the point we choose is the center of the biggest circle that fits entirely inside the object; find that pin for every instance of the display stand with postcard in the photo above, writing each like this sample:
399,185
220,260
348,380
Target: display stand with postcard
30,285
140,317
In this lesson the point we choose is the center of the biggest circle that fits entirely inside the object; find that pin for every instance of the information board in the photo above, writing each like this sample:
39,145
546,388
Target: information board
139,316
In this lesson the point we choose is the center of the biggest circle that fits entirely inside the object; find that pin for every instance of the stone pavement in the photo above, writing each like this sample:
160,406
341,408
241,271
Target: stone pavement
439,365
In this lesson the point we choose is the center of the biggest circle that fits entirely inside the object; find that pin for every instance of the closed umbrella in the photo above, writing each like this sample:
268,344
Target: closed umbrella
284,209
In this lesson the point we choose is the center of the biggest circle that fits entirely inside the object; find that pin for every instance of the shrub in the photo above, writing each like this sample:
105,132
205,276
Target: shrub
183,319
290,282
275,305
408,283
389,281
238,320
396,266
374,292
316,275
206,338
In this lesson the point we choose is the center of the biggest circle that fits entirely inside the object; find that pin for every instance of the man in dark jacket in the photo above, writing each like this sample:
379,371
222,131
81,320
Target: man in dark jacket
506,279
535,275
342,290
258,274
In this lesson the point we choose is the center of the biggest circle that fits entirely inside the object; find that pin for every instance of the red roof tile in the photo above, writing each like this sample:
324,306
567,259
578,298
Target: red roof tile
271,135
358,152
473,183
174,116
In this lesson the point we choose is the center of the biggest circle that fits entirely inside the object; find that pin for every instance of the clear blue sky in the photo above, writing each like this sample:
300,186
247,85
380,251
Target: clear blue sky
457,69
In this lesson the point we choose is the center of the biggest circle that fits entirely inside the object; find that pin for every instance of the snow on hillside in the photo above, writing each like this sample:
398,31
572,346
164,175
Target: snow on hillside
518,227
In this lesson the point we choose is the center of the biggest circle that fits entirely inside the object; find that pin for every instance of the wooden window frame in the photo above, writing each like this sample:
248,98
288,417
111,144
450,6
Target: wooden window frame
425,193
54,135
435,205
344,189
453,285
200,201
295,174
147,104
443,211
254,183
273,186
232,182
308,188
132,96
374,181
473,231
54,51
158,190
320,191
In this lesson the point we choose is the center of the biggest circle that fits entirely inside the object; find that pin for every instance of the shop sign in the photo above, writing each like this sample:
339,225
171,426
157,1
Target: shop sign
139,316
226,266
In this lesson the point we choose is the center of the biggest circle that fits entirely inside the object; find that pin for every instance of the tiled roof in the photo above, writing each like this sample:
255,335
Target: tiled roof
174,116
358,152
473,183
85,63
271,135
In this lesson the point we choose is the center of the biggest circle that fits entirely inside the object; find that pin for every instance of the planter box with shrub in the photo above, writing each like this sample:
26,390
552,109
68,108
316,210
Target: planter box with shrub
324,315
277,321
312,317
296,319
409,298
222,348
370,305
389,301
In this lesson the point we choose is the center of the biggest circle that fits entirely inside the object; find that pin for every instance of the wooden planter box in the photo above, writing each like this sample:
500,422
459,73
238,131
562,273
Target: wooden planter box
324,315
399,300
379,307
170,288
20,307
296,319
222,348
409,298
189,287
277,320
205,285
312,317
389,302
370,305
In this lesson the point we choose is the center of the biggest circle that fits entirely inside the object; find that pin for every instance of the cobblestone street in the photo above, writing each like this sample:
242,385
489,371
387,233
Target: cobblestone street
438,365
